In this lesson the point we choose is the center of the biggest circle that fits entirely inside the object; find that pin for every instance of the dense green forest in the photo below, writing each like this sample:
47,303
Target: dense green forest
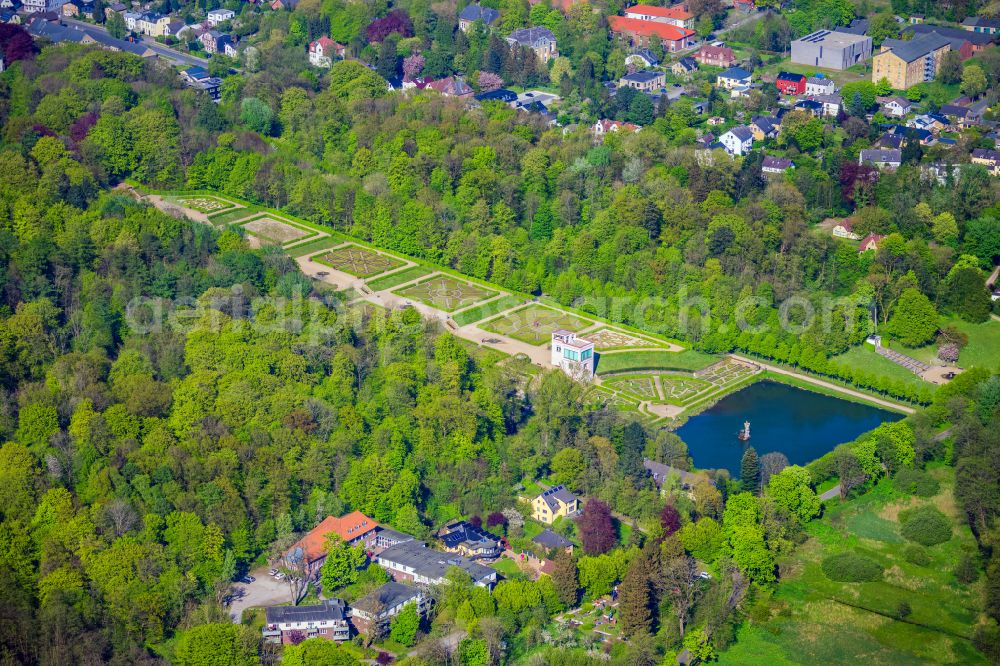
145,463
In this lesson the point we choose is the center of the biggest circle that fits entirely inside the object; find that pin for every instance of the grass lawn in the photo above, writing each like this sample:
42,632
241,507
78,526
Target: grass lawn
485,310
230,216
313,246
983,349
653,360
810,619
839,77
864,357
938,92
396,279
507,567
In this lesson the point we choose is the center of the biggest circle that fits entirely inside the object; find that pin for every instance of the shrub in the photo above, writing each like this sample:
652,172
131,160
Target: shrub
916,482
850,567
987,639
925,525
948,352
967,570
917,555
903,610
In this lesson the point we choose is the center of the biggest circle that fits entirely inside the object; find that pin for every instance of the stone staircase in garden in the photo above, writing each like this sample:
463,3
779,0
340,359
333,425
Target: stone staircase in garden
913,365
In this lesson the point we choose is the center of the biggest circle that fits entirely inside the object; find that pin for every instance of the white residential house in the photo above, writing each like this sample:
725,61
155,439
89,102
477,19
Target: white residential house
131,20
844,229
217,16
818,86
605,126
574,355
323,51
734,77
773,164
898,107
35,6
738,140
832,104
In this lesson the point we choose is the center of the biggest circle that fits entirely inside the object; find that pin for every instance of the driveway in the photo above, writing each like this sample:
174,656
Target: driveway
265,591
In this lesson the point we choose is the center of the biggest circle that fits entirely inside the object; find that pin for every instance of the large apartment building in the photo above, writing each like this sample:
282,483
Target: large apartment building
905,64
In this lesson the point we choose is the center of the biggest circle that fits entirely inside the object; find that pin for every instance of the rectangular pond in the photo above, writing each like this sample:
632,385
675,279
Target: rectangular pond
801,424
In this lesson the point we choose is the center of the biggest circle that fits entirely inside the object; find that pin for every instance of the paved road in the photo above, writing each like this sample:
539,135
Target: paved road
161,50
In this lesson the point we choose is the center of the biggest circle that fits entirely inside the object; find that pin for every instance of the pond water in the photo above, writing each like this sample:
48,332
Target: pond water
801,424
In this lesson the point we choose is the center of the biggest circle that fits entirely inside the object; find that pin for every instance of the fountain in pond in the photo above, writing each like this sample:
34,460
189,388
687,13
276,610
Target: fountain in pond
744,434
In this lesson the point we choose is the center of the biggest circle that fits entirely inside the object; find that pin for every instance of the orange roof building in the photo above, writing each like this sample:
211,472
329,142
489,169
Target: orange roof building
638,33
677,15
353,528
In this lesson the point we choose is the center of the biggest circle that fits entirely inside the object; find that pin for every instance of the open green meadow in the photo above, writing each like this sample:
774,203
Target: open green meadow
811,619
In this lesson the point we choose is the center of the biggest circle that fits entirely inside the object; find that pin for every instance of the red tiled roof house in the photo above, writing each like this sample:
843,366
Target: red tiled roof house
354,528
677,15
638,33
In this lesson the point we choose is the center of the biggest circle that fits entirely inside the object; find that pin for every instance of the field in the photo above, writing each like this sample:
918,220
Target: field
534,324
229,216
303,249
358,261
486,310
653,360
398,278
984,341
445,293
276,230
811,619
203,203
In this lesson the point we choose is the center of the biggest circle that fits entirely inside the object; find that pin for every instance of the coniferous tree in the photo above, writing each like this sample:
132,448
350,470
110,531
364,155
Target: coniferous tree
750,471
635,599
565,579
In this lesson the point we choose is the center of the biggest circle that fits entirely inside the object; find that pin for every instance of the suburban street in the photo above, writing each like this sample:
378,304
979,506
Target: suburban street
166,52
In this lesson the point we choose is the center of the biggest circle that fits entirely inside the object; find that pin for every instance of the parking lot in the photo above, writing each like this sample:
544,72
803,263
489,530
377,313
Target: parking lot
265,591
530,96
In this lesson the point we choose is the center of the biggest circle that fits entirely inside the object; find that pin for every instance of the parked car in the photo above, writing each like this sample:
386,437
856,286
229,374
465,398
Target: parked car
704,575
247,579
273,572
279,576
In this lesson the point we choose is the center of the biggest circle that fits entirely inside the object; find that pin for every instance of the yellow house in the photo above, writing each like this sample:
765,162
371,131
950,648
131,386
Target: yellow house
554,503
905,64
